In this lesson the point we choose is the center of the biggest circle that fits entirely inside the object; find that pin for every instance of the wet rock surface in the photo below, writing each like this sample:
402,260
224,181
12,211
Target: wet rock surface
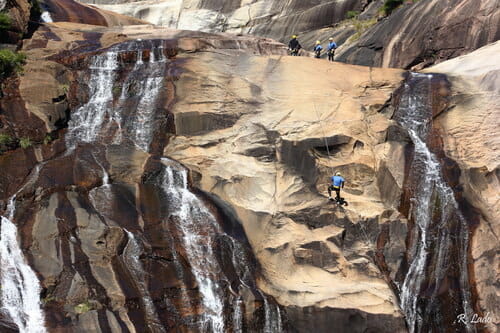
96,216
475,102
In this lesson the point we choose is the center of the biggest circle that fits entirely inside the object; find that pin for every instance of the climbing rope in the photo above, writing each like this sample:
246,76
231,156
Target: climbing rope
331,167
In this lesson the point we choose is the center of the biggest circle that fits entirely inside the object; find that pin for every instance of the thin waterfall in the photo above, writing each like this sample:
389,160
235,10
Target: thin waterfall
20,288
238,315
131,254
196,225
20,295
272,317
434,212
198,230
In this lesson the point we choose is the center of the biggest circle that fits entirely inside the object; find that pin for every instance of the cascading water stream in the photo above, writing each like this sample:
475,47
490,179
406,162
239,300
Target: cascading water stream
198,229
101,118
112,116
20,288
87,120
131,255
196,225
434,211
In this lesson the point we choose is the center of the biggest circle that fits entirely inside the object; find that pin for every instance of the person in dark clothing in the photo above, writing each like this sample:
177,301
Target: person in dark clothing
331,49
317,49
294,46
337,183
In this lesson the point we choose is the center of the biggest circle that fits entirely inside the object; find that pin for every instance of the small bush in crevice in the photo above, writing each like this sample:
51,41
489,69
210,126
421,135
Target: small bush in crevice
25,143
10,62
6,139
83,307
361,26
352,14
390,5
5,22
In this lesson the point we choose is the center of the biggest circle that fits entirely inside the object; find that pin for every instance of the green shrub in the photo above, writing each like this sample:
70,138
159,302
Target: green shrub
362,26
83,307
352,14
390,5
25,143
47,139
10,62
5,22
6,139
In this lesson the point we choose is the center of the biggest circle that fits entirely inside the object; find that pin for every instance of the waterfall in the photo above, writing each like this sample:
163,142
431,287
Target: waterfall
136,107
238,315
124,104
196,225
434,212
199,229
87,120
131,255
20,289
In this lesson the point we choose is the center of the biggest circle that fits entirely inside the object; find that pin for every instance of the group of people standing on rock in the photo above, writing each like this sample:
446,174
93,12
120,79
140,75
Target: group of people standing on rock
294,48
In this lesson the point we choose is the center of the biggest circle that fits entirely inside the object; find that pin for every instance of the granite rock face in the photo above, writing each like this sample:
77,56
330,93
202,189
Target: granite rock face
271,166
125,121
274,19
422,33
237,104
416,35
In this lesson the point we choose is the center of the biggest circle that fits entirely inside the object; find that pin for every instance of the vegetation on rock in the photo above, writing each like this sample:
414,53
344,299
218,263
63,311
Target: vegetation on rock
83,307
390,5
352,14
10,62
5,22
25,143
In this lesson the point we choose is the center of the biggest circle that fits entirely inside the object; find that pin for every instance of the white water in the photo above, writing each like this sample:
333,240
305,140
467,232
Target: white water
272,317
20,288
431,184
196,225
144,121
46,17
86,122
238,315
20,297
131,255
99,115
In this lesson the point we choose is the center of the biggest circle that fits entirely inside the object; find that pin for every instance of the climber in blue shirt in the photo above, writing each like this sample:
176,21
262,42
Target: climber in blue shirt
337,183
317,49
331,49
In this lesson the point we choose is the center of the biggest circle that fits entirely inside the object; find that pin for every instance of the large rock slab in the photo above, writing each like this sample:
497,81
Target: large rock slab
270,164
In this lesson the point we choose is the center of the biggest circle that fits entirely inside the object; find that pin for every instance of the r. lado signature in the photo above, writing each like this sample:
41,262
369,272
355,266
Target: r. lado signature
474,319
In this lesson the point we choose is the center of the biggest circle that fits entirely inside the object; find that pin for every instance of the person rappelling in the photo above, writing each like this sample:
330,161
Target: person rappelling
317,49
331,49
337,183
294,46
